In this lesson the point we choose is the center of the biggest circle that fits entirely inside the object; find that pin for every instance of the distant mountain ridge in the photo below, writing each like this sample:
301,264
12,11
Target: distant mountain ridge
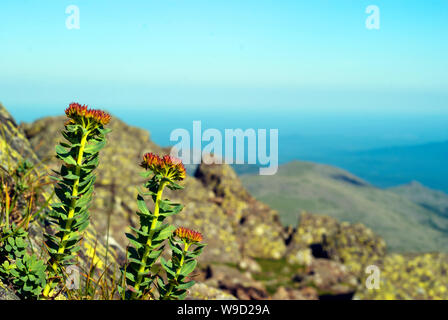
407,225
383,167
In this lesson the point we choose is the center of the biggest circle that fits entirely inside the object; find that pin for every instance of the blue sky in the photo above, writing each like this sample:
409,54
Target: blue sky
294,55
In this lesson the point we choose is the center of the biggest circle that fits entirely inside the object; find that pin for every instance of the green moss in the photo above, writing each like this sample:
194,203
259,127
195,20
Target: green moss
276,273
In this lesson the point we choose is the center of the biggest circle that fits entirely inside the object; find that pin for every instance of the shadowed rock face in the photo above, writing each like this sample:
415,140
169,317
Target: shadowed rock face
354,245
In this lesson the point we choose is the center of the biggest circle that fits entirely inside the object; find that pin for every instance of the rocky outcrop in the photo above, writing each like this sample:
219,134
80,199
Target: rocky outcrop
237,227
308,293
353,245
410,277
201,291
240,285
330,278
6,293
257,227
249,254
13,144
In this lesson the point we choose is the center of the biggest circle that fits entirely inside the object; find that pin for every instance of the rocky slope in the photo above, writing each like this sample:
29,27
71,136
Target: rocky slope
250,254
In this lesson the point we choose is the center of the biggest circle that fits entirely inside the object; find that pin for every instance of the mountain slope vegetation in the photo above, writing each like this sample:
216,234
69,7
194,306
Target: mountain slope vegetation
298,186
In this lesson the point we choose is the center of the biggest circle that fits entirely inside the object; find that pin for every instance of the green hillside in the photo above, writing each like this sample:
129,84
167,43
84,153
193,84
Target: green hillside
404,224
432,200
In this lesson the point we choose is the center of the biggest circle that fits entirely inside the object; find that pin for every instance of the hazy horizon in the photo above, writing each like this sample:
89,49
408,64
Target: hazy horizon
293,55
314,71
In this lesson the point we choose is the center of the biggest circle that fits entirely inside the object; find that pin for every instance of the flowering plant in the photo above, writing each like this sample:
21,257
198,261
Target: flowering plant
34,277
85,136
182,263
148,244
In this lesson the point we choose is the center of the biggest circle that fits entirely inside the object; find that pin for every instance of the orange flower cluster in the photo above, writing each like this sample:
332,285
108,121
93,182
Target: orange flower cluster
188,235
77,112
167,166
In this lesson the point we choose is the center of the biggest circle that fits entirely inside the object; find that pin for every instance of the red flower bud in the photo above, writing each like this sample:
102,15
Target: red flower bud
167,166
82,115
188,234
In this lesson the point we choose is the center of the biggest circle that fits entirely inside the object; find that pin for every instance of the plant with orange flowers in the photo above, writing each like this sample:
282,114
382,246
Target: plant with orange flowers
85,136
182,263
148,243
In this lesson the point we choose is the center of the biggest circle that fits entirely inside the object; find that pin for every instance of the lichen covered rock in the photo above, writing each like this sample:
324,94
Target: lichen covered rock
330,278
409,277
307,293
6,293
239,284
14,146
257,226
354,245
201,291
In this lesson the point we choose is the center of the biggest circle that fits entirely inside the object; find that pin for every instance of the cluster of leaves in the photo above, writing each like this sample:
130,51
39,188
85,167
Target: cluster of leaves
20,202
24,271
74,189
181,265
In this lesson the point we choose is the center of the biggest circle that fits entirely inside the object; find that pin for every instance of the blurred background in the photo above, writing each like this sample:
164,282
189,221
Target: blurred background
362,112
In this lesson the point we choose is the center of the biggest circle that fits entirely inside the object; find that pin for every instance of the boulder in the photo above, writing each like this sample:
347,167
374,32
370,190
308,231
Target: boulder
307,293
353,245
256,225
231,280
201,291
331,279
408,277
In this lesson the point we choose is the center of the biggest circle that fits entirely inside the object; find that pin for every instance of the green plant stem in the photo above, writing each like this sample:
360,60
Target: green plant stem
181,263
149,241
71,212
7,206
